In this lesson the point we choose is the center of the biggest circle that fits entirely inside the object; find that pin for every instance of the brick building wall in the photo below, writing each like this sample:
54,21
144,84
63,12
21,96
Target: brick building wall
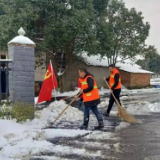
140,79
135,80
125,78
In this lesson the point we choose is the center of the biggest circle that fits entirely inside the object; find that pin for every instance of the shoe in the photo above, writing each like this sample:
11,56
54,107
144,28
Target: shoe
105,114
99,127
83,127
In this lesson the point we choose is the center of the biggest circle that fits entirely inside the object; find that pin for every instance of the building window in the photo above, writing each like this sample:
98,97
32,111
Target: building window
3,56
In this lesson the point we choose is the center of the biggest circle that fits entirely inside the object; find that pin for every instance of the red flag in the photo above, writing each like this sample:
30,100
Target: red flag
48,85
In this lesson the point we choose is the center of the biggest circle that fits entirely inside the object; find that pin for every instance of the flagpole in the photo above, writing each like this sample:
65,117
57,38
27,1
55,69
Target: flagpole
53,80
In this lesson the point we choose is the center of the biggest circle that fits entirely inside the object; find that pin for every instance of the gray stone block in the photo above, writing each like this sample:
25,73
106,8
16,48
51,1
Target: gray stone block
30,49
22,84
31,69
21,78
30,79
26,64
32,73
19,58
24,89
21,73
32,64
17,68
30,59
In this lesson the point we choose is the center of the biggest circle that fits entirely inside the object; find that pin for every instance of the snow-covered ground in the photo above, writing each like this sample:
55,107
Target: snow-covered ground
155,81
29,139
102,91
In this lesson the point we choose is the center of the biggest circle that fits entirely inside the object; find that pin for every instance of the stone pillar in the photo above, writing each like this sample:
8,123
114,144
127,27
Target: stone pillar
22,74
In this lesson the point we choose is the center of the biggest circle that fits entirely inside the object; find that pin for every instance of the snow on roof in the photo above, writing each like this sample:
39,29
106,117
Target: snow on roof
21,39
126,66
131,68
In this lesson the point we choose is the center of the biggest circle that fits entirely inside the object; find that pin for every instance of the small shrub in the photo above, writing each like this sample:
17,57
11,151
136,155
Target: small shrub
22,111
5,112
5,102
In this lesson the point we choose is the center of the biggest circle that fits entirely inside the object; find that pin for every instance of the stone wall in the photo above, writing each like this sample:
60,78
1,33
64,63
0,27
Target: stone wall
21,77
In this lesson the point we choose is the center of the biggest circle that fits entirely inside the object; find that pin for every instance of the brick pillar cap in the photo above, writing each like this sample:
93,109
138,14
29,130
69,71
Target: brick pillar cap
21,39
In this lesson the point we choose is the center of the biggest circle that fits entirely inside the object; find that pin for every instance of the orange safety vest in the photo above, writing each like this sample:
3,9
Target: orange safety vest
93,94
111,79
80,84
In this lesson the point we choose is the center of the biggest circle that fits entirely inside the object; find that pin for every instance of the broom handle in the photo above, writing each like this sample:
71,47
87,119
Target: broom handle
112,94
68,97
65,109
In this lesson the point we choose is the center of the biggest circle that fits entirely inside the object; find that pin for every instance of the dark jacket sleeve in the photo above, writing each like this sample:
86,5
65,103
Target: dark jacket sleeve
90,83
107,79
116,80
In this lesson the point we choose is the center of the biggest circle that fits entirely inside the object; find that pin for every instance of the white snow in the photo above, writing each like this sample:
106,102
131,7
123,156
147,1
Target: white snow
154,107
3,142
9,126
100,135
28,138
33,142
50,133
143,108
131,68
35,100
26,147
155,81
122,125
103,104
49,114
21,39
60,73
70,93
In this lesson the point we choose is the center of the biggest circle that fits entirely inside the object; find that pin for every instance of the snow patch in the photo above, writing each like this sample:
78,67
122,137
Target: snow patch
122,125
9,126
100,135
54,133
49,114
26,147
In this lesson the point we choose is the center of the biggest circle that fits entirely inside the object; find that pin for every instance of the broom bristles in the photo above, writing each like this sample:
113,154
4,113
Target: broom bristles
122,113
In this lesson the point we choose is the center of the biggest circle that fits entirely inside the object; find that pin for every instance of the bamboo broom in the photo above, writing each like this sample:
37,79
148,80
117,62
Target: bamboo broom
122,113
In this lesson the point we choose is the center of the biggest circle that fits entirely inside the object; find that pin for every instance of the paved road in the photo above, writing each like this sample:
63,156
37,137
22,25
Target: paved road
136,142
141,141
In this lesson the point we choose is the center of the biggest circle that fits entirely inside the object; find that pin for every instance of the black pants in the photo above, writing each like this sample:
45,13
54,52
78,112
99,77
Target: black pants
116,93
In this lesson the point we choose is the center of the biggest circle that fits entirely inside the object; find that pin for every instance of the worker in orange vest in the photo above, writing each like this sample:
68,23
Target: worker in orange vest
81,97
115,87
91,98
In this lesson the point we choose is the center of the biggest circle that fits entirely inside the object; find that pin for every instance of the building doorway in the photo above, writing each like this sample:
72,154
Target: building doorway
3,77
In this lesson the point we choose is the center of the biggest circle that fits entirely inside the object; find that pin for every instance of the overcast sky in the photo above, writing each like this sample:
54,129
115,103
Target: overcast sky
151,14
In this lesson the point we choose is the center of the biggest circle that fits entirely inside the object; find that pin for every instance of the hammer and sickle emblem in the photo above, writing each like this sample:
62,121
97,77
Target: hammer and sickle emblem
47,75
